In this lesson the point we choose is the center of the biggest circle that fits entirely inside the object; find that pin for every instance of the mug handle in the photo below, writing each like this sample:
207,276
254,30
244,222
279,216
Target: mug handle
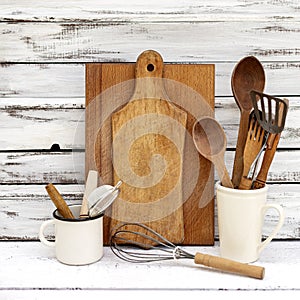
42,236
278,226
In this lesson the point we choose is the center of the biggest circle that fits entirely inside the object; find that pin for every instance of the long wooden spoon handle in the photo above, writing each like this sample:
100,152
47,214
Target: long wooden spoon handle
226,180
229,265
238,165
222,172
59,202
261,178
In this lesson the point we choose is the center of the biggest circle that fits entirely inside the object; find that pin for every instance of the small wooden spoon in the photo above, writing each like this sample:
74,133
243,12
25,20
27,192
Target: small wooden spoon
210,140
247,75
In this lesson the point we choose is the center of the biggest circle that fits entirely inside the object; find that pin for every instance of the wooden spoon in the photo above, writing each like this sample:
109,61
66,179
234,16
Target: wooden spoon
247,75
210,140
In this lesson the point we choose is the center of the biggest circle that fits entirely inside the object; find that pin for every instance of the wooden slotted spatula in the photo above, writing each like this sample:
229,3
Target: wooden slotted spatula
271,113
148,141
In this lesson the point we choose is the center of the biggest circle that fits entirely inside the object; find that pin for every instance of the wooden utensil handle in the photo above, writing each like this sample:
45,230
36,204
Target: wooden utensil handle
229,265
84,210
91,184
261,178
222,170
59,202
245,183
238,165
226,180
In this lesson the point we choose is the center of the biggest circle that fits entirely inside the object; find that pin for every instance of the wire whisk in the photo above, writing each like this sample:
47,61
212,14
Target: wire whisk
125,244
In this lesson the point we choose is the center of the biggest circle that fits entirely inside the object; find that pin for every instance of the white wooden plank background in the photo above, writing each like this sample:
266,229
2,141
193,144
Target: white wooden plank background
26,207
44,46
139,11
67,79
205,41
68,167
61,120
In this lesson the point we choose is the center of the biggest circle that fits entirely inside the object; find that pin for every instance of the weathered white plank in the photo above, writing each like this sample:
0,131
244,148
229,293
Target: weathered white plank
136,10
280,259
193,41
41,167
23,208
38,123
68,167
137,294
228,115
68,80
38,192
284,167
42,80
281,76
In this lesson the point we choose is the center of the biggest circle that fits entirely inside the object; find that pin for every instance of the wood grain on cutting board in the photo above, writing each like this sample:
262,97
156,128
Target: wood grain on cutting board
148,146
198,218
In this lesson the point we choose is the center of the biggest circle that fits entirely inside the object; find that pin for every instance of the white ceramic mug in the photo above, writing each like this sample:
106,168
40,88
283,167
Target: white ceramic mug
241,216
77,241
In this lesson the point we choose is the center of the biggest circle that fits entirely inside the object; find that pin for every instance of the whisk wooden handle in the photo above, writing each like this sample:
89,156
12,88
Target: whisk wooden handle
229,265
59,201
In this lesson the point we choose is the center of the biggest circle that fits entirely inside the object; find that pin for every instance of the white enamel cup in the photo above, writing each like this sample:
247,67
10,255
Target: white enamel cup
77,241
241,215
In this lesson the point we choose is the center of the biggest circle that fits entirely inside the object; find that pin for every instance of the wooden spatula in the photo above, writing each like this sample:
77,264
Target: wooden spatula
272,117
148,142
90,185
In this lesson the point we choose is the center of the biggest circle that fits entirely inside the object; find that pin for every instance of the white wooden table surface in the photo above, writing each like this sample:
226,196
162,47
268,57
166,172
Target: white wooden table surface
30,268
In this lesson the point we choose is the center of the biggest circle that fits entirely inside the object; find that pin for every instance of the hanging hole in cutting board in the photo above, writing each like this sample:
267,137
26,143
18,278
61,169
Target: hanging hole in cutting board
150,67
55,147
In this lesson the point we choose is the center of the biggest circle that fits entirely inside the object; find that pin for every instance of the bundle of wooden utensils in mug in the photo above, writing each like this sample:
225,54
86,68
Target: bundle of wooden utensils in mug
241,198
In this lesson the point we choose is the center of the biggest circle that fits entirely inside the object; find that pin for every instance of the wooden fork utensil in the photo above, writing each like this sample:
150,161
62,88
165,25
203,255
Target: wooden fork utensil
253,148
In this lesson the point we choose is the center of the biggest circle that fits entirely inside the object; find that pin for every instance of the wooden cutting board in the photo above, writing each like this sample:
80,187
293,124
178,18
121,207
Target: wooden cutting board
109,88
148,136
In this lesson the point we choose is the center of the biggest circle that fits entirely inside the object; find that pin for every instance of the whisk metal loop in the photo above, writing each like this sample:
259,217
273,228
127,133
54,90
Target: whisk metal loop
158,248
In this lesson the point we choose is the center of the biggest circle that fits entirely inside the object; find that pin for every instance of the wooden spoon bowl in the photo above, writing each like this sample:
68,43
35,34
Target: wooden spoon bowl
248,75
210,140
